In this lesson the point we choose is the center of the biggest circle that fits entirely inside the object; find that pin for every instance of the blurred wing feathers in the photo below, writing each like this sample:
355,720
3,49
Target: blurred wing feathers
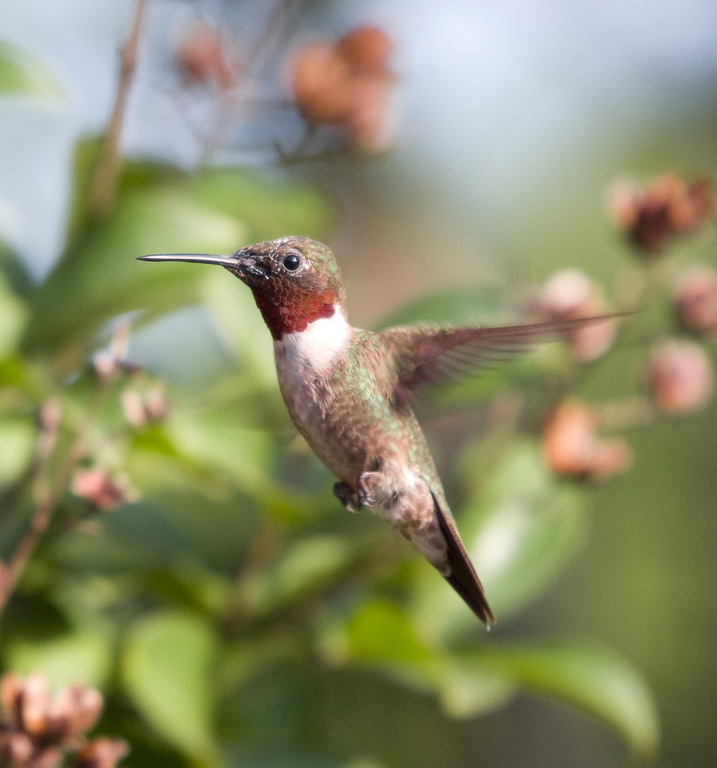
437,356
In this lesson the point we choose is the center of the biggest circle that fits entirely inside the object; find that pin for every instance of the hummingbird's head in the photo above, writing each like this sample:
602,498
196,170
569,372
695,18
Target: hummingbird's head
295,280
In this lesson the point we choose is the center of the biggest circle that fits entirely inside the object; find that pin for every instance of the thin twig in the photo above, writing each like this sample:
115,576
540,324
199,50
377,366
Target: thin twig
47,495
104,183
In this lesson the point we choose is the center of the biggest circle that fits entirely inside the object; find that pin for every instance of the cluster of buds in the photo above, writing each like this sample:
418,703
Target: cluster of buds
572,446
39,731
143,408
570,294
348,83
203,58
652,217
103,490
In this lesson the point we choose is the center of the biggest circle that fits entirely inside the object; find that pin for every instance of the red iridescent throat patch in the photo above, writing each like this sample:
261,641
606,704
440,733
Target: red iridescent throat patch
294,315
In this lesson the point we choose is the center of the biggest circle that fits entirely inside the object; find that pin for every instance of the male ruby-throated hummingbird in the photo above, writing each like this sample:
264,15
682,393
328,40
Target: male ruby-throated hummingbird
349,391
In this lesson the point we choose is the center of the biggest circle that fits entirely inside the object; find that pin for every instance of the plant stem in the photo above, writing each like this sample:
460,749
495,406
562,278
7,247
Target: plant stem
104,184
47,494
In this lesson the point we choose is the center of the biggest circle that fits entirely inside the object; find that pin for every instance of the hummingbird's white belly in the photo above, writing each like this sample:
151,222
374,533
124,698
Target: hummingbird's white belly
303,360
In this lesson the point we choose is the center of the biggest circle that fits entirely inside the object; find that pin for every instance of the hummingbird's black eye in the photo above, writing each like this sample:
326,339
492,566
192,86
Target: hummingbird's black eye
292,262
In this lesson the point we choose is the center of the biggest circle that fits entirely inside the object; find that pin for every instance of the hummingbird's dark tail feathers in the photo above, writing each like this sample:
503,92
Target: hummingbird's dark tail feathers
463,577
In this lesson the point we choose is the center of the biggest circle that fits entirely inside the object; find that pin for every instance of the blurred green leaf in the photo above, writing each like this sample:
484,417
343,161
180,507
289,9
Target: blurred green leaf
307,564
591,677
102,278
233,306
477,305
17,443
270,209
12,318
21,73
521,530
168,670
381,630
84,656
470,690
381,635
530,525
246,455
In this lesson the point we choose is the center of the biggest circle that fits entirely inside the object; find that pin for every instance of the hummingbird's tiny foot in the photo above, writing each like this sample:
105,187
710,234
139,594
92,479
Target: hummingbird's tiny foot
365,493
347,496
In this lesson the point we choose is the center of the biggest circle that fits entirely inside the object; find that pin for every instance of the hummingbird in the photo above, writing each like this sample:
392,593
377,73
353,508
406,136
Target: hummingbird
350,392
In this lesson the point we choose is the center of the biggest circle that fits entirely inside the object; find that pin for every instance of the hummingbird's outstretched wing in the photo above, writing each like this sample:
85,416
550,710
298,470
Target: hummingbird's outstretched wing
462,577
426,355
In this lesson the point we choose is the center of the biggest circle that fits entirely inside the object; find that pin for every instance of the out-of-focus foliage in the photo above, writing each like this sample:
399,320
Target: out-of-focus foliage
203,576
21,74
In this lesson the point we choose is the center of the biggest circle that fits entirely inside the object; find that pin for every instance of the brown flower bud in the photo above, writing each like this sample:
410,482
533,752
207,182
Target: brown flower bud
679,376
366,48
140,410
572,447
73,711
11,687
103,490
15,748
203,57
652,216
569,438
101,753
109,363
612,456
696,301
47,757
348,83
571,294
36,732
35,700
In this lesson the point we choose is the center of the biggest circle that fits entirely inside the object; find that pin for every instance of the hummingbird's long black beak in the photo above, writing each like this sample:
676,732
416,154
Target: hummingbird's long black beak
244,266
195,258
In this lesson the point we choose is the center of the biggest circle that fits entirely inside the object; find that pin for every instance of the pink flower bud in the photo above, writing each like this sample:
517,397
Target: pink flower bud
572,447
101,753
679,376
571,294
569,438
74,710
35,700
102,490
696,301
203,57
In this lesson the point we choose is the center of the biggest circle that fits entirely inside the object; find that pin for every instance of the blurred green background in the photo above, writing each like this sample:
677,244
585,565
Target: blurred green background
235,615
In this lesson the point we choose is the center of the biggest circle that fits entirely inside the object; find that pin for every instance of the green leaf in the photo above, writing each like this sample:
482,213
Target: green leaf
588,676
381,636
17,443
269,209
307,564
102,278
521,531
13,315
477,305
530,524
84,656
381,631
168,671
21,73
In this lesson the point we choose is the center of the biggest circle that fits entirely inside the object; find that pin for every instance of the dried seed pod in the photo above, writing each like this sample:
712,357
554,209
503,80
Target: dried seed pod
651,217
